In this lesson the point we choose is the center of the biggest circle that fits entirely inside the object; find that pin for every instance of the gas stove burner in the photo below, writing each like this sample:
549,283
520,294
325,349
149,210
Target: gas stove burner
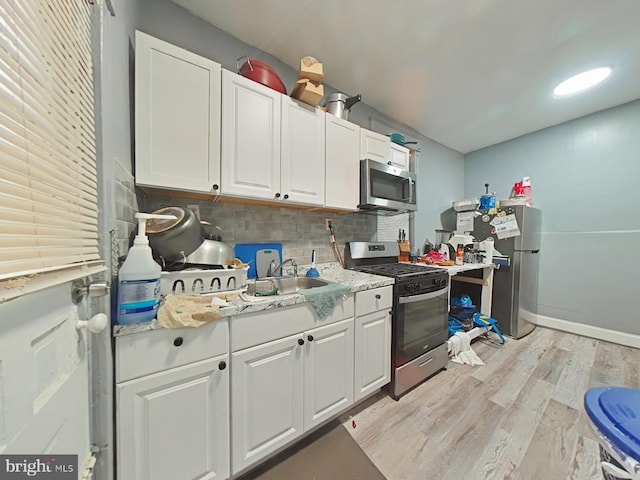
399,270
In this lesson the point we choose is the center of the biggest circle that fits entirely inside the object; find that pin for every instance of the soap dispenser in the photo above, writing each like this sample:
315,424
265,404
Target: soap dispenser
139,278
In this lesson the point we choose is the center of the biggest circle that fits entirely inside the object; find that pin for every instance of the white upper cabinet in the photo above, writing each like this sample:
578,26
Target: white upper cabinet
375,146
342,156
177,117
399,156
250,138
302,164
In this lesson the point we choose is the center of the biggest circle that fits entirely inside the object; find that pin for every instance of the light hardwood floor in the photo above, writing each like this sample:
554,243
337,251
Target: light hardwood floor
518,417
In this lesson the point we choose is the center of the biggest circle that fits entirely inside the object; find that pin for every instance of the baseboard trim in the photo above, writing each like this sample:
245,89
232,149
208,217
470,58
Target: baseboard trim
599,333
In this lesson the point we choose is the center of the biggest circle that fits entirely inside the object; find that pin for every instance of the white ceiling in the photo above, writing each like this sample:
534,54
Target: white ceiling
466,73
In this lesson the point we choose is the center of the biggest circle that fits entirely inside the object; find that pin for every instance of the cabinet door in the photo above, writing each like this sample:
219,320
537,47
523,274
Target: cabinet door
343,164
372,352
177,123
302,168
250,138
328,375
266,392
374,146
399,156
174,425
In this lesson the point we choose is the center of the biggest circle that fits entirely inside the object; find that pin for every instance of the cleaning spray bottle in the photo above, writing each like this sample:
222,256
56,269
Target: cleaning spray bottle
139,278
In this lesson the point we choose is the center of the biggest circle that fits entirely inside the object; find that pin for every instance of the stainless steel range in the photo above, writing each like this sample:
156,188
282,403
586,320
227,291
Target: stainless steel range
419,315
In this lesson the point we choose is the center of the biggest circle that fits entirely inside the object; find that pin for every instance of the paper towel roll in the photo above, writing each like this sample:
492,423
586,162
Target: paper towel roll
488,250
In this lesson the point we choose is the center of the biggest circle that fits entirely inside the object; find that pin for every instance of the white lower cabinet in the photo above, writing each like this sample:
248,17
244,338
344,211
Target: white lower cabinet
328,372
372,368
372,353
266,382
174,425
283,388
188,409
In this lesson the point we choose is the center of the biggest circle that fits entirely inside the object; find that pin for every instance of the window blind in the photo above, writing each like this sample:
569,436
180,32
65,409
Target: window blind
48,182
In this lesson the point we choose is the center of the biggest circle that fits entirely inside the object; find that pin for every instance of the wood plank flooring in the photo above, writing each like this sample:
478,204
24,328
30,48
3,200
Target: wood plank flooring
518,417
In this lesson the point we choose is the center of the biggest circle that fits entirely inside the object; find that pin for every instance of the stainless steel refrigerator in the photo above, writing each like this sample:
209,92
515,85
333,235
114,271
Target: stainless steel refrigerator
515,286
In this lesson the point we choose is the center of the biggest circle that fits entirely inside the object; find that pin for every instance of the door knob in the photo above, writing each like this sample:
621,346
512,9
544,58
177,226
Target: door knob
96,324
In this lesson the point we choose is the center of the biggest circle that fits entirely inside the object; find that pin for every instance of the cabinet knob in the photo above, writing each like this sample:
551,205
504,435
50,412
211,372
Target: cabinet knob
286,195
216,186
389,163
378,297
278,195
310,338
300,341
222,365
178,341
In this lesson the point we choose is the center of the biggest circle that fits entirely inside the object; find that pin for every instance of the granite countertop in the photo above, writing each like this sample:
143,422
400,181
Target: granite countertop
333,272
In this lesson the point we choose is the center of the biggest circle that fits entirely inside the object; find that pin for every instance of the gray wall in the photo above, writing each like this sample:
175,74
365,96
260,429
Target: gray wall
585,179
439,168
117,201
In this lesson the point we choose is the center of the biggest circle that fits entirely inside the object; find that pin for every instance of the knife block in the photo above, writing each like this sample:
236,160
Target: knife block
405,250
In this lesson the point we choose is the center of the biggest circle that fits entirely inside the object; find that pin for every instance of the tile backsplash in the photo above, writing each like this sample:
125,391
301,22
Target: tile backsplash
298,231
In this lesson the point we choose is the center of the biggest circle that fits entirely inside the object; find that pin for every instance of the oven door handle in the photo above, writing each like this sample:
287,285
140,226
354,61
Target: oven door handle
424,296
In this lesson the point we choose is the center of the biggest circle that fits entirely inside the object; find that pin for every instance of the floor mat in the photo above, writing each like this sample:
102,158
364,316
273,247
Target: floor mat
331,453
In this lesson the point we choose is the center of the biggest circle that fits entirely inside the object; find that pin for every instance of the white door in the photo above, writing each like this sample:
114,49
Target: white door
174,425
177,107
302,169
399,156
374,146
46,402
328,371
342,152
372,352
44,381
250,163
266,399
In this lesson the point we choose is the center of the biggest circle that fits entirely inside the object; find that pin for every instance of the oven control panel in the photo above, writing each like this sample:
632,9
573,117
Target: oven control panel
424,285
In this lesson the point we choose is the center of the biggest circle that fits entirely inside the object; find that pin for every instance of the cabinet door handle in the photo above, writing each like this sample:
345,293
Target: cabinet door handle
378,297
286,195
178,341
215,186
278,195
310,338
300,341
222,365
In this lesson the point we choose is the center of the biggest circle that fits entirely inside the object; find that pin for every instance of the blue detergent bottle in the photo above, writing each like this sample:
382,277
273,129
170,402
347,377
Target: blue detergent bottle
139,279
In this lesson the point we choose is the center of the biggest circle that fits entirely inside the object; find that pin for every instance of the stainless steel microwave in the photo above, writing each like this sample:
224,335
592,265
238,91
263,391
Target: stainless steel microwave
385,189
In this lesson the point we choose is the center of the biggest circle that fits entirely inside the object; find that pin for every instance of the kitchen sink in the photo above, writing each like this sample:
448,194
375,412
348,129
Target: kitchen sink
284,285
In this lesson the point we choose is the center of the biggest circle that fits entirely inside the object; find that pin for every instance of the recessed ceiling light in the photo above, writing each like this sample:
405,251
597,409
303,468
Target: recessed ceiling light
581,82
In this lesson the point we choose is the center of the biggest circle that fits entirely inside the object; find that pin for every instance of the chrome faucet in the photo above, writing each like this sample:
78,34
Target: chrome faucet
273,269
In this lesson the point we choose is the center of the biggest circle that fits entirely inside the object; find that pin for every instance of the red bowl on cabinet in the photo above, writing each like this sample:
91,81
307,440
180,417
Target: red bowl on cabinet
262,73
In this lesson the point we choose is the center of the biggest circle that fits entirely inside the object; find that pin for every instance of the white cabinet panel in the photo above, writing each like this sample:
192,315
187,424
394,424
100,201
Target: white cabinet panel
174,425
328,376
399,156
250,138
372,353
177,123
302,163
267,401
343,164
374,146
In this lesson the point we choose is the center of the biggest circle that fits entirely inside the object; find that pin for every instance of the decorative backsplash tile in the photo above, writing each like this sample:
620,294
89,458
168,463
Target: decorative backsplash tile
299,231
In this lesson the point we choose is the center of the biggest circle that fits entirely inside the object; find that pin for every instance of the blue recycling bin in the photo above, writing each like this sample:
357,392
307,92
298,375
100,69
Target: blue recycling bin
614,413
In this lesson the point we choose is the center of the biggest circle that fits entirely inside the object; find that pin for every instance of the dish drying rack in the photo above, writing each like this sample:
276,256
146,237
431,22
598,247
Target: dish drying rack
198,281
